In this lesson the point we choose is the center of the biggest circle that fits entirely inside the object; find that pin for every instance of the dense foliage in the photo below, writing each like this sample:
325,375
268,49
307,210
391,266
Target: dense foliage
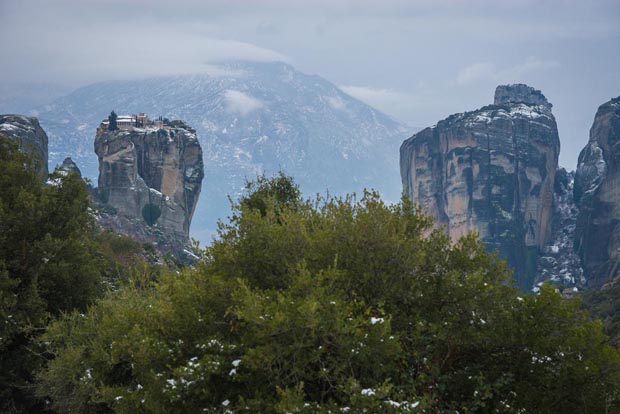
604,303
331,306
51,261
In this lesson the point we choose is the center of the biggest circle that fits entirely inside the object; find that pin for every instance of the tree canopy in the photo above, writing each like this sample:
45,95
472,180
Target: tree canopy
52,261
325,306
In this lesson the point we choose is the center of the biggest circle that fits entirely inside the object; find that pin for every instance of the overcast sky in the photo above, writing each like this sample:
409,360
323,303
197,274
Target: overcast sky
418,61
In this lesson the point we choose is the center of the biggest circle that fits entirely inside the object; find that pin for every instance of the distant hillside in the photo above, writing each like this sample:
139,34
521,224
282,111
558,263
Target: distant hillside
250,118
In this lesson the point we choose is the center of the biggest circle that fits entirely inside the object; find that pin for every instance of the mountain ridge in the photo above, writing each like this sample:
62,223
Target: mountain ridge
251,118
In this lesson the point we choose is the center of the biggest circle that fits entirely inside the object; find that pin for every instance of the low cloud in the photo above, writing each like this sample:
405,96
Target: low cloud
484,71
241,103
86,51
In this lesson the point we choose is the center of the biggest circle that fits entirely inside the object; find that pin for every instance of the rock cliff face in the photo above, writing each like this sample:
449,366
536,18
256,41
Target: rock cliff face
29,134
151,176
597,194
490,171
558,261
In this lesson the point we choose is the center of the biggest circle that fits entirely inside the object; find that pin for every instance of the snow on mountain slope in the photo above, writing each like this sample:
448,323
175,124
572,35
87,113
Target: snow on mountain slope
250,118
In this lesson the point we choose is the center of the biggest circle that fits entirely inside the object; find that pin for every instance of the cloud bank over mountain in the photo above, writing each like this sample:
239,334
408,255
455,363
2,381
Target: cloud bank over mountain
416,60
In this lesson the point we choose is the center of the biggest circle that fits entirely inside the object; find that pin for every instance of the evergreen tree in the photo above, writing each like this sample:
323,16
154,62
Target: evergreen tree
604,303
280,190
112,126
50,263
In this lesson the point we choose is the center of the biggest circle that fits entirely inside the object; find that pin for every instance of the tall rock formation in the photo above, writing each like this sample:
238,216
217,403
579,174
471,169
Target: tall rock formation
151,177
29,135
597,194
491,171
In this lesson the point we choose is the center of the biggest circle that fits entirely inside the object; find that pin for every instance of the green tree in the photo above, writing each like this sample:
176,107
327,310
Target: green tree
317,306
278,193
604,303
112,126
49,264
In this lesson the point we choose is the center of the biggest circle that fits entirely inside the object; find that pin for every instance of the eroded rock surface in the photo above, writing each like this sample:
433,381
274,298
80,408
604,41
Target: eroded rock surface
29,135
151,178
491,171
597,194
520,93
558,261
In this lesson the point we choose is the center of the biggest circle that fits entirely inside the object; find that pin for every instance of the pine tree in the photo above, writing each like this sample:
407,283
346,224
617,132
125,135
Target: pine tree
112,126
47,265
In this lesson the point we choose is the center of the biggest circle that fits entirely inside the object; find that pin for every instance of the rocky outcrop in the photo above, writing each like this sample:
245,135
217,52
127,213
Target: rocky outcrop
29,135
597,194
520,93
490,171
151,179
70,166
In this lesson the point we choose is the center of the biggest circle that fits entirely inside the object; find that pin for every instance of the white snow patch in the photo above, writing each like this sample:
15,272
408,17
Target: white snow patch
8,127
208,125
336,102
528,111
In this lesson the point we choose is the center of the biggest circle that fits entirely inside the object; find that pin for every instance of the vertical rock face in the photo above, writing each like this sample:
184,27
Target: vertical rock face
558,261
153,175
29,134
597,194
490,171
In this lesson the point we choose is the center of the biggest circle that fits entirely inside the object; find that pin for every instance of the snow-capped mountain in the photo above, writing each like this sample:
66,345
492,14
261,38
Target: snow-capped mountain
250,118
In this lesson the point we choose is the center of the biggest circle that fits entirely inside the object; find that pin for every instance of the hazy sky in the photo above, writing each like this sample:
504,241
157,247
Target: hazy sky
418,61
